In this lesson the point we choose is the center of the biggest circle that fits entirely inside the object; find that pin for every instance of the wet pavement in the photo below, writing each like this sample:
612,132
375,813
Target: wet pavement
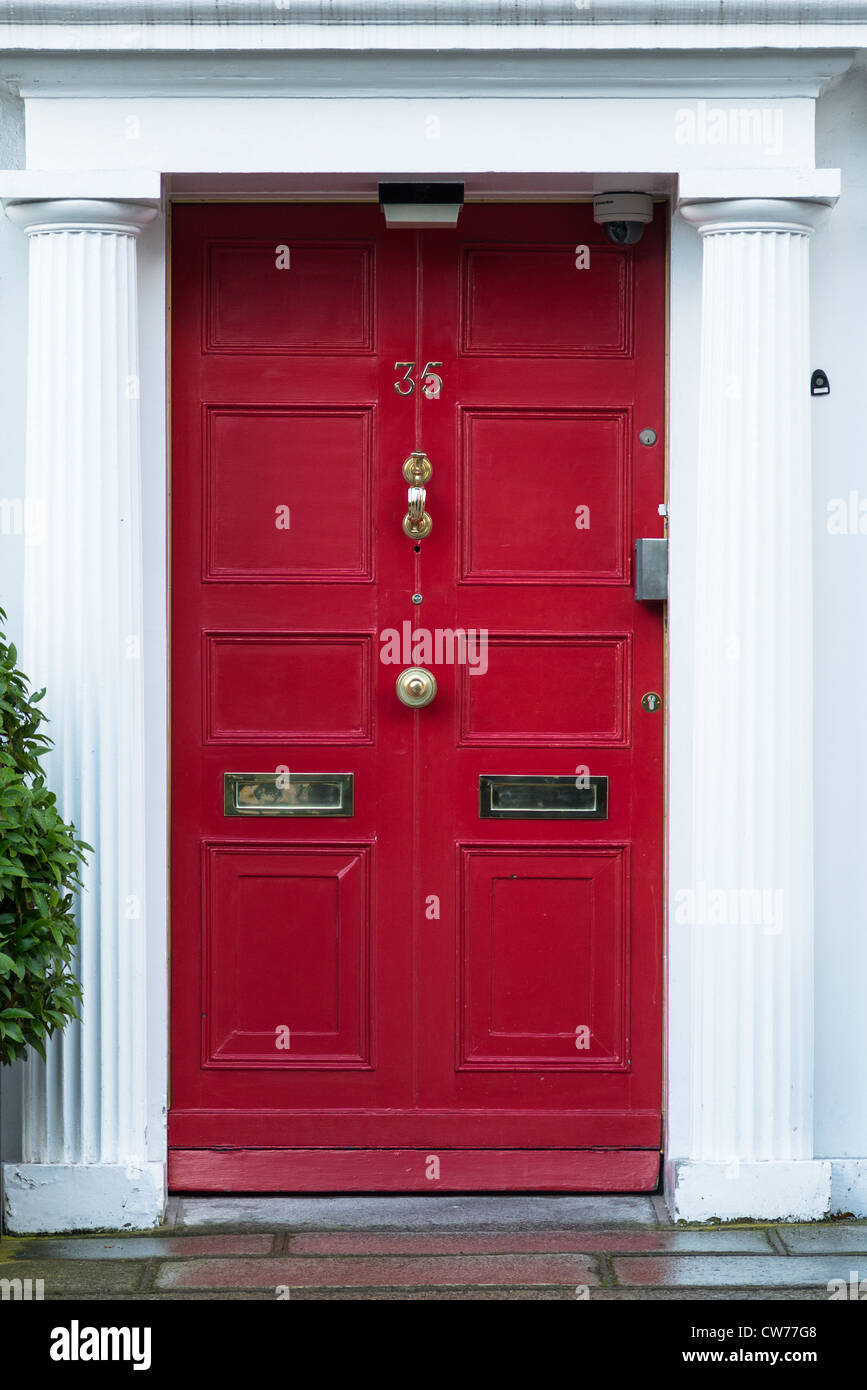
430,1248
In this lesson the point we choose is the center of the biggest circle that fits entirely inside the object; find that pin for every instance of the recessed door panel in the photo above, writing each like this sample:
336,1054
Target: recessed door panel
565,518
558,313
544,945
271,475
287,936
253,302
579,695
298,687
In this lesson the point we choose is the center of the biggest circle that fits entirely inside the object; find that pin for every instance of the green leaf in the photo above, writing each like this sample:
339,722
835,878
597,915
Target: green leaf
40,865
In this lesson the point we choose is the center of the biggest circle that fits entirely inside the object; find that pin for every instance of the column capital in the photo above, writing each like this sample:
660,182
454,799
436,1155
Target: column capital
80,215
710,217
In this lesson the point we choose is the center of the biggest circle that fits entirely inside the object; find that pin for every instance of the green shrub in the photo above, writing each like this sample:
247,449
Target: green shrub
39,874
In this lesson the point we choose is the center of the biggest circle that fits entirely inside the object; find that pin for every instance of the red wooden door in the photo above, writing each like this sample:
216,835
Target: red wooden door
414,948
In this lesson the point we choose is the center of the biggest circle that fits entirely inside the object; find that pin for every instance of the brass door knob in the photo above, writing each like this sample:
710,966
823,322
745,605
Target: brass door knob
416,687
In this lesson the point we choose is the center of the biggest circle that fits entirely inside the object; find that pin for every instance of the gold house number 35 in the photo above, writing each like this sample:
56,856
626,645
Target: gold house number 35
431,383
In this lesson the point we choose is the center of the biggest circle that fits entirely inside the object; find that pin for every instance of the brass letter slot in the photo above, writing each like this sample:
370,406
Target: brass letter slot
288,793
542,798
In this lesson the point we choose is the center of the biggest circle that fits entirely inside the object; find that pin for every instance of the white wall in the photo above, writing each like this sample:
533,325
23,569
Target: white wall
840,631
13,313
152,316
684,347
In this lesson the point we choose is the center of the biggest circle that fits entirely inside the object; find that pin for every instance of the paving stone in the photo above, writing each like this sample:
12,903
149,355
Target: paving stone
146,1247
552,1295
550,1242
385,1272
676,1271
201,1295
826,1239
417,1213
67,1276
717,1295
477,1295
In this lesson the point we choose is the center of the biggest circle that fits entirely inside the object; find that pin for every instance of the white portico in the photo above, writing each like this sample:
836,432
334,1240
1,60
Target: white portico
85,1146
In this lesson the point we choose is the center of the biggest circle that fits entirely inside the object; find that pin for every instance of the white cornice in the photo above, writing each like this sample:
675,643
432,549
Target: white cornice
106,26
586,14
325,73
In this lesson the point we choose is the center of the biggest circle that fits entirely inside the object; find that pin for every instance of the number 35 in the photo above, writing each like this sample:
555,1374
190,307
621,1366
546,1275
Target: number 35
431,383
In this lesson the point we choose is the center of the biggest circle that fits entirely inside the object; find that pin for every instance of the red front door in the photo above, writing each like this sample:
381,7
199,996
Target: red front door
415,948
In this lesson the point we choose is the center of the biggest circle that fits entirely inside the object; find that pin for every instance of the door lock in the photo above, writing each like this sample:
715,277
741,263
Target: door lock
651,569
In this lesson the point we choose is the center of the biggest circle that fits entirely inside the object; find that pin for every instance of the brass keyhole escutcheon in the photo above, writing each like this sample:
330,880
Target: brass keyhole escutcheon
416,687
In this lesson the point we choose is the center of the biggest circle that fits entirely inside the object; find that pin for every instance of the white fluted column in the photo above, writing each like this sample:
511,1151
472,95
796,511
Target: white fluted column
84,1130
749,909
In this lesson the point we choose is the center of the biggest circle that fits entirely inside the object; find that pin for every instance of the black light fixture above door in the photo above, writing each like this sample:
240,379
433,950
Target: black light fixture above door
421,204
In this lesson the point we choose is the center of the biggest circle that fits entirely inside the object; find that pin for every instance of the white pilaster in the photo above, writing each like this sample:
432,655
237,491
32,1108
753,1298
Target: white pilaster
85,1160
749,908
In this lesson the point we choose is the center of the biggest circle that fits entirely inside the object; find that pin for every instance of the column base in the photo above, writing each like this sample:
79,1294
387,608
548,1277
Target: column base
799,1190
43,1198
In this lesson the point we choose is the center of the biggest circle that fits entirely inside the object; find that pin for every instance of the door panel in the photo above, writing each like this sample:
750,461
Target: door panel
365,960
552,373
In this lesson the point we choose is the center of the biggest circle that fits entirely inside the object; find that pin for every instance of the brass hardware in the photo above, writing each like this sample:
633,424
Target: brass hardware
416,524
417,469
288,793
511,797
416,687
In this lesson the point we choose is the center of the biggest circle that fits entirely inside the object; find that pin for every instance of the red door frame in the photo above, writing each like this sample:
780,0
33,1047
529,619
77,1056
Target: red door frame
398,1168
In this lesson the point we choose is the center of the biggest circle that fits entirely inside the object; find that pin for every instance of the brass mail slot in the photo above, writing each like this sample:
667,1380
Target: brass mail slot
513,797
288,793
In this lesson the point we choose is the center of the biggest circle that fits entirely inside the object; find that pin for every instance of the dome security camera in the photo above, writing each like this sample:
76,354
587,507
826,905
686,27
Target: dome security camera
623,215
